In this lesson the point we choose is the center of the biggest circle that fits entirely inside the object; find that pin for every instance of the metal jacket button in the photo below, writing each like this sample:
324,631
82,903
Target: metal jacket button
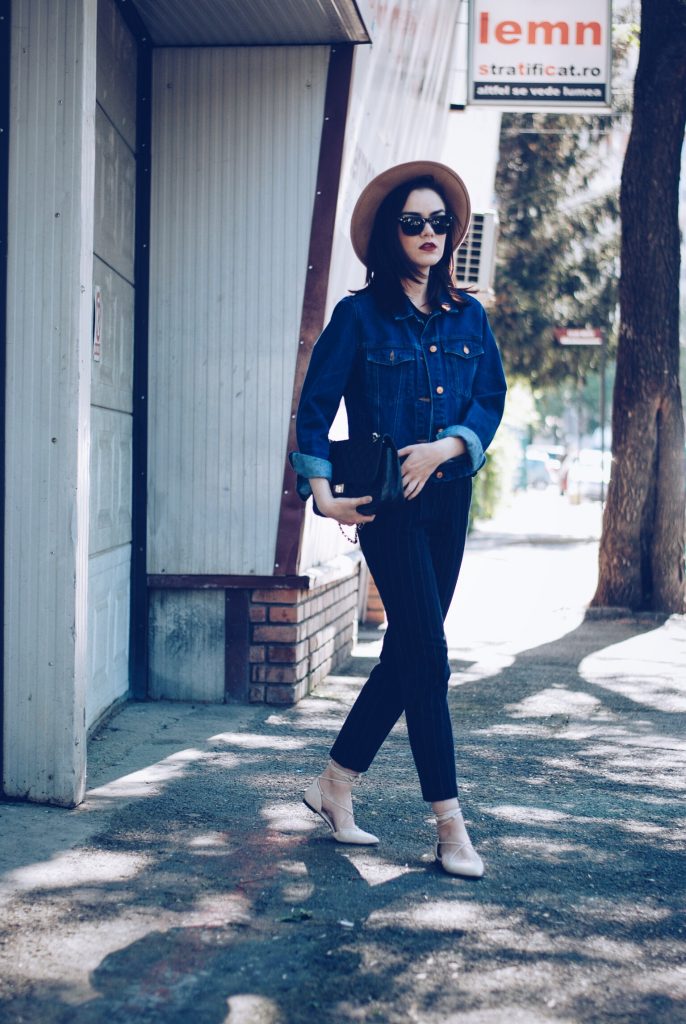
465,349
439,390
439,475
433,348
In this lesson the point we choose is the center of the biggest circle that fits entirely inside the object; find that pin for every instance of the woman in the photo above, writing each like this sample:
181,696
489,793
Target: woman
415,359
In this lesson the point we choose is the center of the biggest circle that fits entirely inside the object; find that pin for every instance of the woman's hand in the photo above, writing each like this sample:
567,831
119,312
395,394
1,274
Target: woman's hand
343,510
423,460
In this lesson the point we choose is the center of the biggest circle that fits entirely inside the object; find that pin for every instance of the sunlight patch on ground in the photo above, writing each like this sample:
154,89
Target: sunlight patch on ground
621,911
529,815
73,868
69,962
297,892
508,1015
582,731
148,781
660,694
438,915
289,817
624,753
510,729
551,851
251,1009
208,841
554,701
650,830
374,870
492,665
668,979
531,631
294,867
254,741
625,770
643,668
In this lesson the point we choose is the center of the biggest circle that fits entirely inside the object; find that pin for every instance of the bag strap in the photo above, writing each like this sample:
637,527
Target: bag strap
355,537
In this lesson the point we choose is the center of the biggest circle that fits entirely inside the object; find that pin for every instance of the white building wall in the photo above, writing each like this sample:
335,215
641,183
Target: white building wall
112,370
50,268
235,148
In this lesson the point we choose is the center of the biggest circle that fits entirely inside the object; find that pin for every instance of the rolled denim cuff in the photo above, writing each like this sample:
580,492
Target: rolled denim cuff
475,450
307,466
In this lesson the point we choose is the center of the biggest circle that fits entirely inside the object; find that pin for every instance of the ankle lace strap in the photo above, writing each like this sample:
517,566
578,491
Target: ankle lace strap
454,812
342,775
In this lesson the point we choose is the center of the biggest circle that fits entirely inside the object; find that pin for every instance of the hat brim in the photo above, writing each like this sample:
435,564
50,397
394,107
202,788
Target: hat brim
375,192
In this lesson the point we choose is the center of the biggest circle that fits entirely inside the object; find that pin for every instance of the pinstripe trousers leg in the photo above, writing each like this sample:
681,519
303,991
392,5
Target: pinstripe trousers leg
414,555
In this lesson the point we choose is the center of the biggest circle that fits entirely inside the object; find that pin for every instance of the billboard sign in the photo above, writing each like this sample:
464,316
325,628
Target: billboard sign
546,55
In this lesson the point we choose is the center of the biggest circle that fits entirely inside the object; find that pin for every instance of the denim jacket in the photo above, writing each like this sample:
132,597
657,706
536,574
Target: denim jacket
417,380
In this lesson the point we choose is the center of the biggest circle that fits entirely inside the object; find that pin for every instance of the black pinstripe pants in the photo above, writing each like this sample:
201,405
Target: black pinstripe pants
414,554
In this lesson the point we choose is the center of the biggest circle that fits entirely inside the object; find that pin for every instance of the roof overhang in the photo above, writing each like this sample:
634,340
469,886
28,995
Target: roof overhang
251,22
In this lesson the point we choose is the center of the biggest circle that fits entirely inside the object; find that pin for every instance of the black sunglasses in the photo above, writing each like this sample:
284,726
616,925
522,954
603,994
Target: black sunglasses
413,224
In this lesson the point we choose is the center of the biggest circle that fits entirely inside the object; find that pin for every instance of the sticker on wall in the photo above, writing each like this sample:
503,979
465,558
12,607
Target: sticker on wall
97,323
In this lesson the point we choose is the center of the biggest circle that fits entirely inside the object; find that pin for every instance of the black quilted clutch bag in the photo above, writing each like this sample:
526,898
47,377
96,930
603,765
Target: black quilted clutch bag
363,467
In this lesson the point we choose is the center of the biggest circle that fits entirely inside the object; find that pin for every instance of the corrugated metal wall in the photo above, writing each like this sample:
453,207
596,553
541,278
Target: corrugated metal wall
235,147
112,367
48,397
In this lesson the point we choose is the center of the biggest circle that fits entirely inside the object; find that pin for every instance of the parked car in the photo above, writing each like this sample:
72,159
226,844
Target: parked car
587,475
535,469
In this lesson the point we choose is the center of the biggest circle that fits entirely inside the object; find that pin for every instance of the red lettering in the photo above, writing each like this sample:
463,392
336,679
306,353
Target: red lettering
508,32
548,29
594,26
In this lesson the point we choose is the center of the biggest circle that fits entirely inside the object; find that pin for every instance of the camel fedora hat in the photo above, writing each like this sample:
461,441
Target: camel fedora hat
383,184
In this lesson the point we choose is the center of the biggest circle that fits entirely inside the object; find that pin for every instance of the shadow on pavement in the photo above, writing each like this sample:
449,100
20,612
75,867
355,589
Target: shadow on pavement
219,898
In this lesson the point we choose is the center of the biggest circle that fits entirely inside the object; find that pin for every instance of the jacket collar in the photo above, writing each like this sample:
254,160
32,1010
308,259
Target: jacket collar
446,305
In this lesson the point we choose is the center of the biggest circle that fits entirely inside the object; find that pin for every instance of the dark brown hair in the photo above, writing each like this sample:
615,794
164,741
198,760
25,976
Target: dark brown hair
387,262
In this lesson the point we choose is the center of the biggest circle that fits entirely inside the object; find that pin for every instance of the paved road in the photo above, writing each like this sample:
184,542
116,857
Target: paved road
193,885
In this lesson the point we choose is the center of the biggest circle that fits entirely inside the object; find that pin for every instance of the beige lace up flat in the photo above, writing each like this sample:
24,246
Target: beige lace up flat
462,859
313,799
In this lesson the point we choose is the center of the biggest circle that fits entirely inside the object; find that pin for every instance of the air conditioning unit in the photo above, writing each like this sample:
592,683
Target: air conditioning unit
475,262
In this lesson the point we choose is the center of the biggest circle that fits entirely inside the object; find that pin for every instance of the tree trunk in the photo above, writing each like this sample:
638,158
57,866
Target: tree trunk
642,544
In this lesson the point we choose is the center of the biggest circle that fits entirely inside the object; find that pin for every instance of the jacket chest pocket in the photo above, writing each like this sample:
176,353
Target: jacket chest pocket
462,358
390,372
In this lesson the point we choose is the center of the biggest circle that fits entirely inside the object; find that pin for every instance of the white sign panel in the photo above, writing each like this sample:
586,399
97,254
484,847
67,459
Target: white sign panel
578,335
540,54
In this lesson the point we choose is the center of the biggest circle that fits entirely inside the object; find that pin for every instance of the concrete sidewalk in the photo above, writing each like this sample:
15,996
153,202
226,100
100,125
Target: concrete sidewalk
194,886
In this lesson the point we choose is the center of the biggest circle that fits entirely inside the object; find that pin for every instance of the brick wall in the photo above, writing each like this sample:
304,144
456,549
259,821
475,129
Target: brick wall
298,636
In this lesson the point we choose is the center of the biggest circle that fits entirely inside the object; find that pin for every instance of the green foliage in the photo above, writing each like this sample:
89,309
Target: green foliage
558,250
584,394
487,492
494,483
558,254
